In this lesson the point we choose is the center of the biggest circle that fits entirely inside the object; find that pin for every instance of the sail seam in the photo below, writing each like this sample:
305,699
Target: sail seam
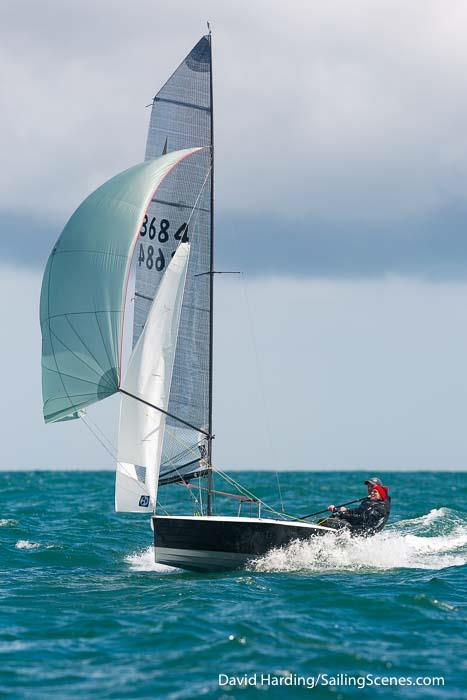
81,313
103,341
50,331
74,396
99,252
80,359
85,345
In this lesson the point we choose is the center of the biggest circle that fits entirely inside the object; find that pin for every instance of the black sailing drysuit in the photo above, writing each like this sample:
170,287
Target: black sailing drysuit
369,517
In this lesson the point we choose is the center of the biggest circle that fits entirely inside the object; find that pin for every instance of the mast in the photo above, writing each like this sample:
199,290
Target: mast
211,290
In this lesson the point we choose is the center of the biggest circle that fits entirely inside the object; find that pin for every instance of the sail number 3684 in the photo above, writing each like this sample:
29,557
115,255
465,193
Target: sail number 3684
153,257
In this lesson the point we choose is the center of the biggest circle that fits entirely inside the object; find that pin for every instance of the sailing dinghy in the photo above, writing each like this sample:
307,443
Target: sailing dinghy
157,216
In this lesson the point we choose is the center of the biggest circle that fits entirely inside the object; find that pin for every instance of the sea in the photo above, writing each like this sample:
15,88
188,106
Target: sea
86,613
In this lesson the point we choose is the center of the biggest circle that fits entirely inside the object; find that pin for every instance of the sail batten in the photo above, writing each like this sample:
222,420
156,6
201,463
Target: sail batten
85,278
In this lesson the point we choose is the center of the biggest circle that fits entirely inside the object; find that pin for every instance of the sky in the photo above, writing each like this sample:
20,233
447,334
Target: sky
341,163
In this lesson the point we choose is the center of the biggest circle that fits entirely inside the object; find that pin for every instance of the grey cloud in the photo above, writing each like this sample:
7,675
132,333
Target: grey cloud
344,124
432,247
25,239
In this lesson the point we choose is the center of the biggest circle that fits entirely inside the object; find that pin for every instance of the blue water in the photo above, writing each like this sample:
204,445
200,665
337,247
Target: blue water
86,613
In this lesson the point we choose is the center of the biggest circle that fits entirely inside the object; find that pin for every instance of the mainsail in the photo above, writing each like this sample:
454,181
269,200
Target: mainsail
84,287
181,211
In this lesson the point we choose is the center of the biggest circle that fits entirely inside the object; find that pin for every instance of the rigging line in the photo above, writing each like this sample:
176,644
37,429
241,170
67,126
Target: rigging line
189,448
199,194
182,482
261,386
166,413
280,491
161,507
168,472
104,436
245,491
112,450
185,454
97,438
200,495
106,448
173,461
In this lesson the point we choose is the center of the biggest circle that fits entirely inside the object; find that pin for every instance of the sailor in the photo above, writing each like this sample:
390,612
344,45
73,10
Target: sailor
372,513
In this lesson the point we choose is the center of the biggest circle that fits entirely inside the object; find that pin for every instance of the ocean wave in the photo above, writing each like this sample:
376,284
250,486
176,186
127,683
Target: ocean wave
8,522
438,521
401,546
26,544
144,561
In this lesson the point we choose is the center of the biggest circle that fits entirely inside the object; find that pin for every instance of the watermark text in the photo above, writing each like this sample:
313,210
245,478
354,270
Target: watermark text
368,680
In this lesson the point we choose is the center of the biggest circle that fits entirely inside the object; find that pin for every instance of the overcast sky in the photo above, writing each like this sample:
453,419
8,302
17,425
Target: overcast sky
341,190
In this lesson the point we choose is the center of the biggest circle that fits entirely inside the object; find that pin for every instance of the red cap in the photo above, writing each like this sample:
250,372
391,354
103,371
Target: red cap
382,490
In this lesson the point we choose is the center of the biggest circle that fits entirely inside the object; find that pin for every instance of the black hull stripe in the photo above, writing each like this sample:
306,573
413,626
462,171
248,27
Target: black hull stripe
248,538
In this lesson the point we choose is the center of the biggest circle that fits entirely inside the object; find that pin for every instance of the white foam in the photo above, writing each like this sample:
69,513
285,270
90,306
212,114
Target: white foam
26,544
144,561
7,522
401,546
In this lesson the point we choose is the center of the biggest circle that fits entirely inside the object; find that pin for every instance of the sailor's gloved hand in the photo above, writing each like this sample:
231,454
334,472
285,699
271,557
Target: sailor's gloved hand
332,508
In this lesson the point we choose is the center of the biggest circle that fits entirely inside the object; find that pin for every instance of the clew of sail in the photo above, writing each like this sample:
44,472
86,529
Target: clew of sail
181,116
84,288
148,377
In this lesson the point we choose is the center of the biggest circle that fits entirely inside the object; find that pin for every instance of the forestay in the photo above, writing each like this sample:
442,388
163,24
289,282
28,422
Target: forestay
148,377
84,286
181,211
